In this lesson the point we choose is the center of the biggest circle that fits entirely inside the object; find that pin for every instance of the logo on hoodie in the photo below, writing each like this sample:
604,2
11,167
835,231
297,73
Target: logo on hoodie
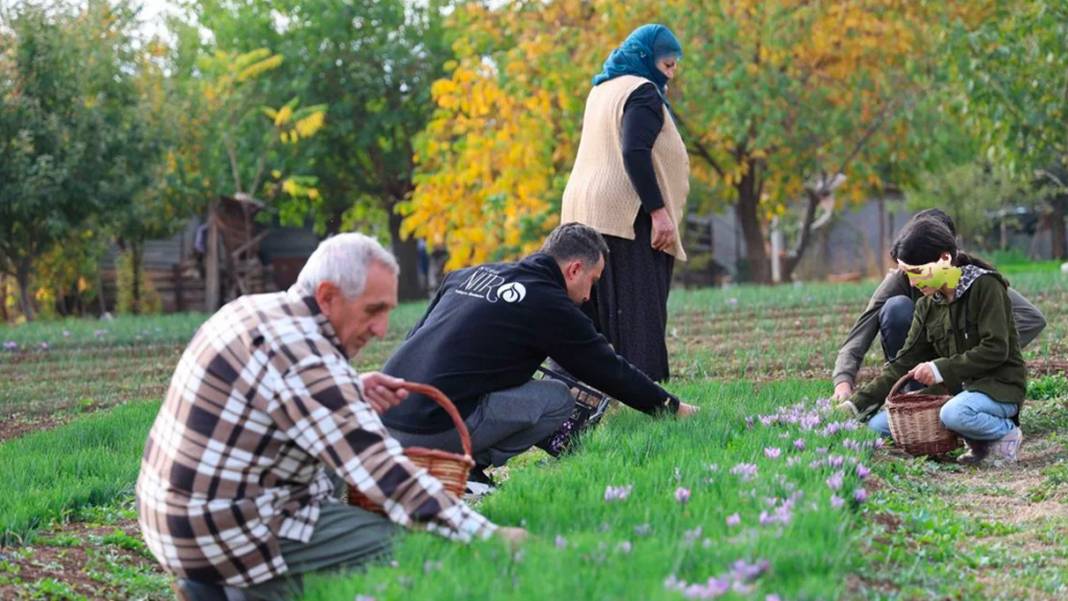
486,284
512,292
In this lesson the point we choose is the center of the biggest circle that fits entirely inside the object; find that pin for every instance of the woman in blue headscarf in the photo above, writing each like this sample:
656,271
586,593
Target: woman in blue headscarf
630,182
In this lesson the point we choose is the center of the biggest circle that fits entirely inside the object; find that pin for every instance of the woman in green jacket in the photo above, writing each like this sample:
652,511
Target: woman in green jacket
963,337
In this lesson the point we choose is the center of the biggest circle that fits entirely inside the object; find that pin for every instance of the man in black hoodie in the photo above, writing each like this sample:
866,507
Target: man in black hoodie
486,332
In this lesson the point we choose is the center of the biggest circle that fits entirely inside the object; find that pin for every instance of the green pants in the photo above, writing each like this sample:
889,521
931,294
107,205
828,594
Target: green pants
345,538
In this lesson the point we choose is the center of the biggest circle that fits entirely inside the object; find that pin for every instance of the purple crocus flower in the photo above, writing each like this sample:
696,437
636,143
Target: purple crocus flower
772,452
799,444
837,501
862,472
835,461
879,443
44,346
11,345
860,495
835,481
747,471
734,519
747,572
617,493
560,542
682,495
66,333
773,597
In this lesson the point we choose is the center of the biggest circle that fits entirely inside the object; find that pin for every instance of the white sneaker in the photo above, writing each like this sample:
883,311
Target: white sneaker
479,488
1006,448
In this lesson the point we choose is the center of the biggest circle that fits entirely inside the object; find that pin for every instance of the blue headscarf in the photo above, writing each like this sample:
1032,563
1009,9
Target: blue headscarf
637,55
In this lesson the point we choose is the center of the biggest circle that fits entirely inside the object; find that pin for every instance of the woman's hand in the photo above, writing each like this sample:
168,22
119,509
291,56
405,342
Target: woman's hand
924,374
664,231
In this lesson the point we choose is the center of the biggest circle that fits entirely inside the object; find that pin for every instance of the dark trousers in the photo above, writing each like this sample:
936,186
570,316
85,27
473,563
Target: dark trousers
505,423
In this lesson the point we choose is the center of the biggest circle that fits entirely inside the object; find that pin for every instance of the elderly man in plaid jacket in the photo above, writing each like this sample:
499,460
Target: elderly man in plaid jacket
235,487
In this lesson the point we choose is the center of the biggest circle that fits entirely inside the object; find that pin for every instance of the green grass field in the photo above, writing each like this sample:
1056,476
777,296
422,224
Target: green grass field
79,397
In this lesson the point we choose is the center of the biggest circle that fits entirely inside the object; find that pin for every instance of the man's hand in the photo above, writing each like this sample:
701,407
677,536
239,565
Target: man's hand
842,391
664,232
686,410
513,536
923,374
383,392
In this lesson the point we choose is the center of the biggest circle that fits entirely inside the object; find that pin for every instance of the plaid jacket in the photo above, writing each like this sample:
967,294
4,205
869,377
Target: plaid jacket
263,402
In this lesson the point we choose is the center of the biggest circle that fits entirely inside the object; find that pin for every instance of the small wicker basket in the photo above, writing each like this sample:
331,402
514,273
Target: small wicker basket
450,468
915,423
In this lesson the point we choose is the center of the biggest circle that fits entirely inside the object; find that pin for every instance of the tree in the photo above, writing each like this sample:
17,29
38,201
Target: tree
65,154
1012,76
775,98
372,64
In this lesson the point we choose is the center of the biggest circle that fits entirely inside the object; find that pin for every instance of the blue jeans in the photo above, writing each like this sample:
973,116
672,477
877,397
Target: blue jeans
895,319
973,415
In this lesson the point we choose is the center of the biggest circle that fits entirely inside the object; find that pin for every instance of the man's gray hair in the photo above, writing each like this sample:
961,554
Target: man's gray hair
570,241
344,260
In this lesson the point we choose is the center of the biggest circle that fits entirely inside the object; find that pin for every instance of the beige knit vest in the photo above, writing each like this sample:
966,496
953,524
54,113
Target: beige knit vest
599,192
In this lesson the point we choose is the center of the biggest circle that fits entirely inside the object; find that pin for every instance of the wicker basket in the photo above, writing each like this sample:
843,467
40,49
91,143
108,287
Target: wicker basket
450,468
915,424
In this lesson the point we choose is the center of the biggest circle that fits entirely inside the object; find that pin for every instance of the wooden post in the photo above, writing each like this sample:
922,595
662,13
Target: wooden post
211,261
176,273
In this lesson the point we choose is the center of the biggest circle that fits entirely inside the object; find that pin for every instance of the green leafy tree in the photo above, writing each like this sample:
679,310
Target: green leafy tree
65,138
372,64
1012,73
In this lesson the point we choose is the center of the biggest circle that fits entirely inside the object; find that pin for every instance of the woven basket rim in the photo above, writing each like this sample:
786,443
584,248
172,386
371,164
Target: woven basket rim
439,454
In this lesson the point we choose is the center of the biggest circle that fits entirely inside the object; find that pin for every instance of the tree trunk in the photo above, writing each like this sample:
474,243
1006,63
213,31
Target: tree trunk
22,276
1057,229
136,252
3,298
813,200
409,286
755,253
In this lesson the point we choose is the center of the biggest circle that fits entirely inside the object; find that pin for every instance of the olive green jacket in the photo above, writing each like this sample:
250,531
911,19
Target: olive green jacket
972,340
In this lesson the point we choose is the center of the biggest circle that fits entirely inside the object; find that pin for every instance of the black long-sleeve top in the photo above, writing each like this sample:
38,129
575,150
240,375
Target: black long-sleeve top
490,327
643,118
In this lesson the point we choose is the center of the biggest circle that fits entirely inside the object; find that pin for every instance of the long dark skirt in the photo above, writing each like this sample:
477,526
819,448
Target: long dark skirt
629,303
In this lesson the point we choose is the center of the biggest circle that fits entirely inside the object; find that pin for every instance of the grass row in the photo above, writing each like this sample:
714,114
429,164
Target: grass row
89,462
647,545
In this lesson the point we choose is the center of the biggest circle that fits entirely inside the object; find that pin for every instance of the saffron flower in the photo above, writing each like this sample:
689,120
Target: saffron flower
560,542
734,519
772,452
617,493
799,444
11,345
860,495
682,495
862,472
835,481
837,501
747,471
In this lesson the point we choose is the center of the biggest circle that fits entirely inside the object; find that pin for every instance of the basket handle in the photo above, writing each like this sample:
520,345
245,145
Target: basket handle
897,385
443,401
